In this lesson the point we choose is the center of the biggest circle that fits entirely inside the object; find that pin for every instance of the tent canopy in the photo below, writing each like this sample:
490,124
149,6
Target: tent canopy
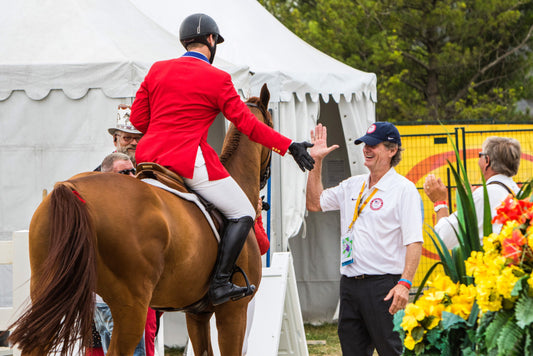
275,55
64,67
78,45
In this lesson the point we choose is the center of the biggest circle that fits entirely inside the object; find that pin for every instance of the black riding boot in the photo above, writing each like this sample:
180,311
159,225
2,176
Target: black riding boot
221,288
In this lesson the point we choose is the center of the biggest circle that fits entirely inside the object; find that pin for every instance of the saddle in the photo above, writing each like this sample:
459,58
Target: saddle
175,181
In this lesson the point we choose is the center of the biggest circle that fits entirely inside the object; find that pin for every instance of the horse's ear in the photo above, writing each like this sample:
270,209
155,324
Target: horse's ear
264,96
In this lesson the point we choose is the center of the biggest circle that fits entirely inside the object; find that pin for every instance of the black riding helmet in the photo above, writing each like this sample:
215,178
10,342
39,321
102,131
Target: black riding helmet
196,28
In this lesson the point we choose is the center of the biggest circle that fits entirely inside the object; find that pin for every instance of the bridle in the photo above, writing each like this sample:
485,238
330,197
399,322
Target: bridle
265,164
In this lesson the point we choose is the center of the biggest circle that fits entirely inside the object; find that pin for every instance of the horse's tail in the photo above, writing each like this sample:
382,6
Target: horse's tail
62,307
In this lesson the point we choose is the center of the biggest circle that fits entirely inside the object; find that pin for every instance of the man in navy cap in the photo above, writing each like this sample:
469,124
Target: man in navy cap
381,239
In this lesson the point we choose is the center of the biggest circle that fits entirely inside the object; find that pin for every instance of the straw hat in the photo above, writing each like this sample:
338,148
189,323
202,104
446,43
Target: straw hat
123,121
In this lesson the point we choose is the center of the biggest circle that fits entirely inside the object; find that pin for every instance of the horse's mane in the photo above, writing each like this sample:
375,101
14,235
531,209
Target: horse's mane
233,137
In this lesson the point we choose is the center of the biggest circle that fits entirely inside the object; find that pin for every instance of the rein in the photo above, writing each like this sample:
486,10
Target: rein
265,165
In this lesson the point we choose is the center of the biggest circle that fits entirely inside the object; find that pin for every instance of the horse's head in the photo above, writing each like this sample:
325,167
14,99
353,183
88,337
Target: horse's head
261,104
238,152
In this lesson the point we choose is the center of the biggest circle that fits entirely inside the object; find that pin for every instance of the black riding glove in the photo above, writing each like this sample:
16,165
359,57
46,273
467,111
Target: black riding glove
299,152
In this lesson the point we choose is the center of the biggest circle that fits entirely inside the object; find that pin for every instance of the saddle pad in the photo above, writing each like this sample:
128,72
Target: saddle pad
187,196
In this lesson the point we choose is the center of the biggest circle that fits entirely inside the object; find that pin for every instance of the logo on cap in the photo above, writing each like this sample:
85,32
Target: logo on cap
371,129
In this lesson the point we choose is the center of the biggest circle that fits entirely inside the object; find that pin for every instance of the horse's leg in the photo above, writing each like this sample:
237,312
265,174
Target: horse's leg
231,326
128,327
199,333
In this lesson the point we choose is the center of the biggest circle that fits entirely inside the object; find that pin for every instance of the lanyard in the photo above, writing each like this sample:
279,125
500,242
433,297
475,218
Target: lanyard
357,211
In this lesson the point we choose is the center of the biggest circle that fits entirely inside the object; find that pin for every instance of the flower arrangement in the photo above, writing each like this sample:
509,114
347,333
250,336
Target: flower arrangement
491,316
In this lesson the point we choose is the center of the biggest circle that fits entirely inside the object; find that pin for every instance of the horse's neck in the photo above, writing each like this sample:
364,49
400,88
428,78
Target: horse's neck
244,165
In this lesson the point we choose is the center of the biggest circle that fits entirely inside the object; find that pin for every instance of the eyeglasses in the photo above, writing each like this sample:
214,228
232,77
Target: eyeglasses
128,139
481,154
127,171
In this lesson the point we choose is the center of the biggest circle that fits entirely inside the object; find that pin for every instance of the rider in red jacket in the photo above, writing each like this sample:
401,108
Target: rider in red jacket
174,108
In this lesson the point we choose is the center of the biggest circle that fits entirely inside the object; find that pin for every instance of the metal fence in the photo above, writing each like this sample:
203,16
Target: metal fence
429,149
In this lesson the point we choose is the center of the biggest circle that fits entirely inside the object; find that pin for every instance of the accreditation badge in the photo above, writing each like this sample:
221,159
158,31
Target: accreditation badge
347,248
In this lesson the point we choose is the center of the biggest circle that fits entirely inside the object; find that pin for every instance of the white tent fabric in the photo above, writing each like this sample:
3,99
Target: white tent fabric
64,67
277,56
79,45
297,76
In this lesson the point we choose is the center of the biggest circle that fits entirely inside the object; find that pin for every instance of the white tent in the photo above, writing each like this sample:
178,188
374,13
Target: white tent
306,85
296,73
64,67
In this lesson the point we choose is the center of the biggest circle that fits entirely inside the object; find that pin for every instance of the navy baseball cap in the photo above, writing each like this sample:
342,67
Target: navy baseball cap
380,132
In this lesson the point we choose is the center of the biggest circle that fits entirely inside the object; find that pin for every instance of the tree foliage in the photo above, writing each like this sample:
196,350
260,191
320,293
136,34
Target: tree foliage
435,60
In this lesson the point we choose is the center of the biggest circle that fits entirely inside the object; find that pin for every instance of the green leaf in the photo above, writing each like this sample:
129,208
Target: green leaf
467,351
435,338
459,263
525,190
424,281
450,320
519,286
528,344
510,339
487,213
445,257
417,333
466,211
397,320
419,348
495,327
524,311
474,313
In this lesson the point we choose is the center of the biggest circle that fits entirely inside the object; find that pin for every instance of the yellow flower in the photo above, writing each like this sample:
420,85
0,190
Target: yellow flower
409,342
506,281
409,322
492,243
445,284
434,321
415,311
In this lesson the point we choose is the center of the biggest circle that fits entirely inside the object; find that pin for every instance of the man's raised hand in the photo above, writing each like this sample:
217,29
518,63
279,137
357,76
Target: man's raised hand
319,139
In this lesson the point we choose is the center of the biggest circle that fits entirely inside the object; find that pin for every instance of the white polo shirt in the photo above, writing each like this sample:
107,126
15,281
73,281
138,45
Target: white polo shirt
391,220
447,226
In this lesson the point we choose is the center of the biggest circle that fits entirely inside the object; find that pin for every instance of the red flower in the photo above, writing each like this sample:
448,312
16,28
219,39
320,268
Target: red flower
513,209
512,246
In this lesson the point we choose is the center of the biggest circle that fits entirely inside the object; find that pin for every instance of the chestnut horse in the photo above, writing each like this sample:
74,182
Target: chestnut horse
136,246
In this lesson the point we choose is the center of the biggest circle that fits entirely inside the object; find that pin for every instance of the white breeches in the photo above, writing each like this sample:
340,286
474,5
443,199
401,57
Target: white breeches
225,194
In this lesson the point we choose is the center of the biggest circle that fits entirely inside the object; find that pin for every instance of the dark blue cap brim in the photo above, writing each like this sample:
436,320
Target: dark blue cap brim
369,140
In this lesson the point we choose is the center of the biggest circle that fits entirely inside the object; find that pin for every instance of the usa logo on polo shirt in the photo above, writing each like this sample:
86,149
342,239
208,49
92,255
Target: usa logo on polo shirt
376,204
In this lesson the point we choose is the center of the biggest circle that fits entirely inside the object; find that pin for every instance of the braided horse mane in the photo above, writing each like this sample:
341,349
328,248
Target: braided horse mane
233,137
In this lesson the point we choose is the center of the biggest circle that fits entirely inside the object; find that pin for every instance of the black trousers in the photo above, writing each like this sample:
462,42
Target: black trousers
364,319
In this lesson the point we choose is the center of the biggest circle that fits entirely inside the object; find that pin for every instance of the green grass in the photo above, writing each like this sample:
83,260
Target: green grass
322,340
174,351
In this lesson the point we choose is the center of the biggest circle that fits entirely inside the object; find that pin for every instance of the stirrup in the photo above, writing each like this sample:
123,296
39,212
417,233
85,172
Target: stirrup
250,289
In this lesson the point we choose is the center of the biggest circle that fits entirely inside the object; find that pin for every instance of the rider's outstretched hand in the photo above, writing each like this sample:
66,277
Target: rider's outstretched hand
299,152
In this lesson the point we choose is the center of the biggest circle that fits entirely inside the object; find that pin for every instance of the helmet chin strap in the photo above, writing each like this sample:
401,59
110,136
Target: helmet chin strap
213,49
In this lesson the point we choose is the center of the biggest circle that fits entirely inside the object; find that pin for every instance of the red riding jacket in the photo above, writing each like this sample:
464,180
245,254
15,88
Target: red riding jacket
175,106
